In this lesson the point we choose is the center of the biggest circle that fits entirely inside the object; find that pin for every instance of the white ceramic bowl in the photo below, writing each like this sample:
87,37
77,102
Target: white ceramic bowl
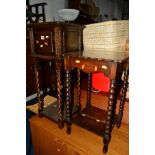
68,14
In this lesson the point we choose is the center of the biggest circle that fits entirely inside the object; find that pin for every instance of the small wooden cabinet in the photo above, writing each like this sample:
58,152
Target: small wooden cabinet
55,38
50,42
91,118
48,39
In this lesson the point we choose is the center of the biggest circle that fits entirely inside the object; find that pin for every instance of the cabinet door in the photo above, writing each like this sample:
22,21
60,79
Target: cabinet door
44,41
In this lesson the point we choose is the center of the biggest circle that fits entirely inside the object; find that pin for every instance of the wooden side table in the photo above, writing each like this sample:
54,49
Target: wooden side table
91,118
51,41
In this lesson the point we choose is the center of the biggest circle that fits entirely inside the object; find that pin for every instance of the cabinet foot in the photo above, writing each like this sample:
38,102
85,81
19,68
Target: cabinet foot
106,140
105,148
118,123
61,124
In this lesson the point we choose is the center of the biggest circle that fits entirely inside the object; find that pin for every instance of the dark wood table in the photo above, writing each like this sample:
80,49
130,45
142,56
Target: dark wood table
50,42
91,118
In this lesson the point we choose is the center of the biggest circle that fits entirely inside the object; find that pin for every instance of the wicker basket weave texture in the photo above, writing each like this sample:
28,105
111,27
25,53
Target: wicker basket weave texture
110,35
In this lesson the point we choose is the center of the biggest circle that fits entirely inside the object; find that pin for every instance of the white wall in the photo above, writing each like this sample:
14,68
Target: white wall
51,8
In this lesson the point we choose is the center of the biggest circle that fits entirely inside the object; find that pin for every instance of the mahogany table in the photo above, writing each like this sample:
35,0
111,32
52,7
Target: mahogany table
92,118
50,41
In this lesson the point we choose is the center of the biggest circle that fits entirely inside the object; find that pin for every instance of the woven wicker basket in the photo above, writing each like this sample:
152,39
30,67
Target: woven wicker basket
106,37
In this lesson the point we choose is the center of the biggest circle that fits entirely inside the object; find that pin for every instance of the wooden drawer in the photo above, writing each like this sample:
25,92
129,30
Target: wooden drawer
88,65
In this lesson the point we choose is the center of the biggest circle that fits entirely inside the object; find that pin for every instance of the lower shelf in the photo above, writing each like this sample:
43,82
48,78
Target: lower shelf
52,111
93,119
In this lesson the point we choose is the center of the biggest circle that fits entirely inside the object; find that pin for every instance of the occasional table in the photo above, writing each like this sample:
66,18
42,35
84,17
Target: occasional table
50,41
92,118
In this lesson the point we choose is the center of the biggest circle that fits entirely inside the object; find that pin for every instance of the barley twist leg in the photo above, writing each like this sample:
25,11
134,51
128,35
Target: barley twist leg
107,134
60,113
123,97
68,103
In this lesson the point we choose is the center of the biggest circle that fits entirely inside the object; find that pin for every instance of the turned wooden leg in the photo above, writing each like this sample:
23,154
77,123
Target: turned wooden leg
40,101
68,107
89,90
79,90
123,97
60,113
72,94
72,84
107,134
43,68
